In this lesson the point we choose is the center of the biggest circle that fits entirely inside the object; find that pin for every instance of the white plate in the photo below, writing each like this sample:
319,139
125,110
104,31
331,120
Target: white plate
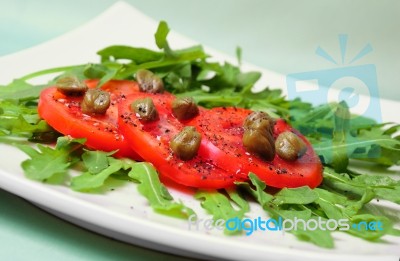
123,213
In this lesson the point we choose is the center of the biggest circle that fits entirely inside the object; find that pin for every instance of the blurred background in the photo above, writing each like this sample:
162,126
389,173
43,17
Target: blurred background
282,36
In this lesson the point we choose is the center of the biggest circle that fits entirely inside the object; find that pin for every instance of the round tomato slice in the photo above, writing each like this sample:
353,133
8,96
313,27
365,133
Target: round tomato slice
64,114
151,140
222,130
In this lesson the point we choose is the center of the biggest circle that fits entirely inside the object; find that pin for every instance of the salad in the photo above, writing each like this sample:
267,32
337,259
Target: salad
87,117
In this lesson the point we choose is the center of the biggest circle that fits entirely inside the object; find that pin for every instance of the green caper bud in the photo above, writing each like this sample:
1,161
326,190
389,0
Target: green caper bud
259,142
184,108
255,117
70,85
95,101
258,135
186,144
145,109
149,82
289,146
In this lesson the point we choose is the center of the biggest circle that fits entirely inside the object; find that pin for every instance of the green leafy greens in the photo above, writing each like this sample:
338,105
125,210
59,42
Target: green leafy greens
156,193
222,206
337,137
47,164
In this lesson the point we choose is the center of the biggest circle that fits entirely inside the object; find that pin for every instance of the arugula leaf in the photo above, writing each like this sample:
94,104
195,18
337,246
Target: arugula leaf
336,136
322,203
96,161
384,187
258,192
47,162
385,145
161,34
341,133
43,163
19,118
20,89
19,126
220,206
165,64
322,238
329,203
363,147
136,55
89,180
239,55
104,72
101,165
381,226
156,193
239,200
389,194
285,199
301,195
268,202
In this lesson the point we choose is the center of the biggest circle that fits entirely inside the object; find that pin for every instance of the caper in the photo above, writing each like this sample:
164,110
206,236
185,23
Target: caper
184,108
71,85
289,146
95,101
255,117
149,82
186,144
145,109
258,135
259,142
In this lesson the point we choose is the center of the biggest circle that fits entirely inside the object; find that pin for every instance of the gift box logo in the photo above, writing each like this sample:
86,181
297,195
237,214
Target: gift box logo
346,83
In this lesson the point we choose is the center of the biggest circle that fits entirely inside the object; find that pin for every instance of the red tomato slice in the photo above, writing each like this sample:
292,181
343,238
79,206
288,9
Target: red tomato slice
151,140
64,114
222,130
